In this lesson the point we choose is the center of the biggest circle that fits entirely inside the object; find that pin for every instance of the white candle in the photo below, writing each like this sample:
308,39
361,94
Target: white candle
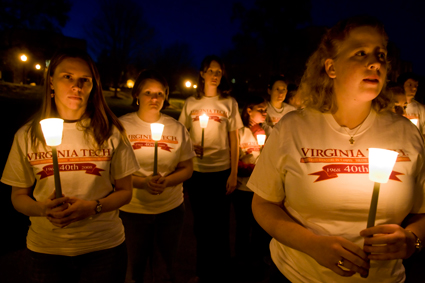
156,133
381,163
52,130
414,121
203,120
261,139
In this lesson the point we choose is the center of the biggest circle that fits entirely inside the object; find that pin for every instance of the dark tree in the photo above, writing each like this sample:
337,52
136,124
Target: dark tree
34,14
272,40
117,35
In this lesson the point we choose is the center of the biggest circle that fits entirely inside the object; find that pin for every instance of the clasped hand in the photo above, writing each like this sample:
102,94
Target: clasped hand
65,210
382,242
156,185
389,241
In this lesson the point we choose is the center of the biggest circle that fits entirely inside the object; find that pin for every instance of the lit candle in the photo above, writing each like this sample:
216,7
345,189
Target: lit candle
52,130
381,163
414,121
261,139
203,122
156,133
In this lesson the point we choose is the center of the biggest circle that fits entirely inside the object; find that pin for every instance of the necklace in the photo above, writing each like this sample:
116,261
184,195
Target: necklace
275,109
351,140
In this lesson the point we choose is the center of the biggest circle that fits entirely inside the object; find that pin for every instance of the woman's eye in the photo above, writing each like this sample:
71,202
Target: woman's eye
382,56
361,53
67,76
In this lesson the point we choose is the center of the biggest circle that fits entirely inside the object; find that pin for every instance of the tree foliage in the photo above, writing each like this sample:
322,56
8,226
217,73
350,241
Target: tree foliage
117,35
34,14
270,39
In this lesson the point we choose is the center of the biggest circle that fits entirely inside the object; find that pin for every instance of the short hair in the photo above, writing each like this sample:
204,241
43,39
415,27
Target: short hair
224,86
251,101
102,119
149,74
317,88
405,76
276,78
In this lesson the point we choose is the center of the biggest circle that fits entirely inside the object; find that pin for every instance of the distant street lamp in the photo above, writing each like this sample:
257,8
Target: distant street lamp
188,84
38,67
195,86
24,58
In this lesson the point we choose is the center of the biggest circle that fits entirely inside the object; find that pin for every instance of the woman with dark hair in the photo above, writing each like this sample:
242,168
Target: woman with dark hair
251,241
311,183
153,219
215,168
78,236
276,107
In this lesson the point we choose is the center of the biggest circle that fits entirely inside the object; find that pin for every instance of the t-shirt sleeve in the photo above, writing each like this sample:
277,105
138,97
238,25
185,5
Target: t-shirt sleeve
186,147
235,120
267,179
18,172
124,161
419,195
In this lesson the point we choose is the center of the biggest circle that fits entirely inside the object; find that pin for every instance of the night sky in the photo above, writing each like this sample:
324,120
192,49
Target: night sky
207,27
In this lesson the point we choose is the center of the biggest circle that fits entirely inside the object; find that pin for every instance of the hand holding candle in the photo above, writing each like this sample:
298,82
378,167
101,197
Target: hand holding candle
381,163
203,122
156,133
52,130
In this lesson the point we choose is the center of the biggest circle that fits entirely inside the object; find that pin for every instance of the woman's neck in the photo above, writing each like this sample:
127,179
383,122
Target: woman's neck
149,117
276,104
351,115
210,91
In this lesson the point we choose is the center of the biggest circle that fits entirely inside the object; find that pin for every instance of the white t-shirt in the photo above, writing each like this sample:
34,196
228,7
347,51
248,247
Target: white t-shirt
249,151
174,147
224,117
323,181
415,110
274,115
85,173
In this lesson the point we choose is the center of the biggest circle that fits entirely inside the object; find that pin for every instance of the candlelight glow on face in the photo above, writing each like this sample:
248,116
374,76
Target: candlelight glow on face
52,130
381,163
203,120
156,131
261,139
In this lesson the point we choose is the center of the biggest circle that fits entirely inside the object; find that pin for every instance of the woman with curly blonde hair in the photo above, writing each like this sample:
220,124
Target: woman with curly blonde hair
311,186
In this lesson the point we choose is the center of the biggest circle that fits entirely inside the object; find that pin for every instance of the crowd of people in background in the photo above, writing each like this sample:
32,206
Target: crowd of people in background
122,210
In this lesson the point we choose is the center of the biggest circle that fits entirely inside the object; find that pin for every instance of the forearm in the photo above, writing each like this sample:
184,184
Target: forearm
139,182
278,224
416,224
183,172
28,206
119,197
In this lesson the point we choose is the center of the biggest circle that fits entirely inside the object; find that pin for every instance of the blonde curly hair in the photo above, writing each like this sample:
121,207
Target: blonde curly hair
316,87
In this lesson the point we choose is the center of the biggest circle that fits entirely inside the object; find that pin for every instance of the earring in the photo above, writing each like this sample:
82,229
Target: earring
137,101
52,94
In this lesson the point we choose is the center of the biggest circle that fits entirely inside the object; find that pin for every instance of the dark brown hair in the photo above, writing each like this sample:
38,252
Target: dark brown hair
102,119
223,88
